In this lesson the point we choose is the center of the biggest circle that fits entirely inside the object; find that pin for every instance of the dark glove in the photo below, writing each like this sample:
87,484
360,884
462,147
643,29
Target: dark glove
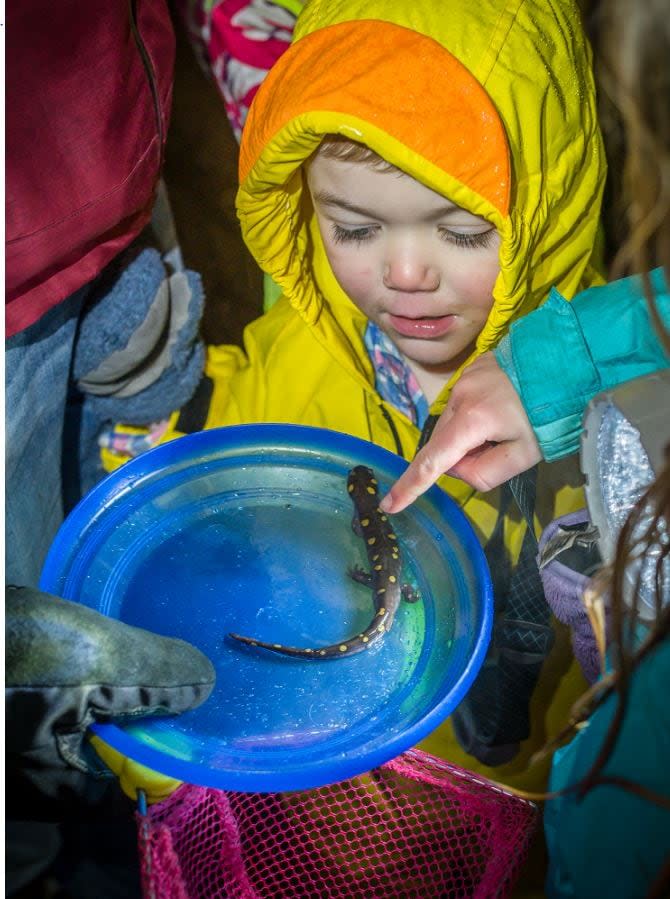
67,666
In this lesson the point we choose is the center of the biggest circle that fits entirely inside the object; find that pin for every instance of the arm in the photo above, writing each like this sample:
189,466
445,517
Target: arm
526,401
562,355
67,666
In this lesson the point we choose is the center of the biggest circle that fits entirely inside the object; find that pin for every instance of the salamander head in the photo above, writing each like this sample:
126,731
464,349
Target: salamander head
360,478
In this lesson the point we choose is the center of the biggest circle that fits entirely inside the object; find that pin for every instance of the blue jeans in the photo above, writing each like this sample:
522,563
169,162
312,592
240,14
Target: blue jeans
37,366
43,473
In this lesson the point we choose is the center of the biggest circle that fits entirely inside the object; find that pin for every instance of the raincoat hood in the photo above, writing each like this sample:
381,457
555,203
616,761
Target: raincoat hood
491,105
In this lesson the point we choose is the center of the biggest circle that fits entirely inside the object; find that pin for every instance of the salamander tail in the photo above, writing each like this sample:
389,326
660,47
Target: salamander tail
354,645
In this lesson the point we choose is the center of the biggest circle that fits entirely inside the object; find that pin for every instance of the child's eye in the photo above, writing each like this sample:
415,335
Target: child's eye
468,240
343,235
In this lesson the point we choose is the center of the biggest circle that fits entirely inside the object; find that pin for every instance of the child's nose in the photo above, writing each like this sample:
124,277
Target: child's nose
411,274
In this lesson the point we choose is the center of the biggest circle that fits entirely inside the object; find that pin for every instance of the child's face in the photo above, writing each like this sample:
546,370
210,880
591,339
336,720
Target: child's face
420,267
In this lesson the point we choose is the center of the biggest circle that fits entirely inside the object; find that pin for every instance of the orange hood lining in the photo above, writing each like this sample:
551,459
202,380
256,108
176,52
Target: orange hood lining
393,78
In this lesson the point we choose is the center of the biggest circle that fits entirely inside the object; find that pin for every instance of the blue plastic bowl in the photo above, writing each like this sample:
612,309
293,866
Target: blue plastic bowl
248,529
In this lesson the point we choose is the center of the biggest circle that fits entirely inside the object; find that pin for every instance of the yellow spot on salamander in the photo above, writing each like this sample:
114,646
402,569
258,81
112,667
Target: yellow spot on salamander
371,490
350,488
381,628
373,481
365,522
381,590
375,557
383,518
343,647
382,611
372,541
392,578
365,639
392,537
277,646
378,567
322,652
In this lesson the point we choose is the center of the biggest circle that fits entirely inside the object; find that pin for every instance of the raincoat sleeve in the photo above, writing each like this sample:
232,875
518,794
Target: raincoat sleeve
564,353
242,377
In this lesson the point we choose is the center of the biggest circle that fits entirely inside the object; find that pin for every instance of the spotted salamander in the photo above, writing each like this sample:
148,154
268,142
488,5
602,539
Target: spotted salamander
381,545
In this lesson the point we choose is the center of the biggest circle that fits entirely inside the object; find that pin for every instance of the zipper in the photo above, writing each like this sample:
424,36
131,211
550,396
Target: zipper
427,431
151,75
394,431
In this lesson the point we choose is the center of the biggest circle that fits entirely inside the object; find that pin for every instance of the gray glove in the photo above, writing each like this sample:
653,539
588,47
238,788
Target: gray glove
67,666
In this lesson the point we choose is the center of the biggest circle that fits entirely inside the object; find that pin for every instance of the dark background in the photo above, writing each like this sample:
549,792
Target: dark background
201,175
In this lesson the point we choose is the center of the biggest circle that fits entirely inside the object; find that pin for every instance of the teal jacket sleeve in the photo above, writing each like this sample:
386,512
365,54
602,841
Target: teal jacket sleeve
564,353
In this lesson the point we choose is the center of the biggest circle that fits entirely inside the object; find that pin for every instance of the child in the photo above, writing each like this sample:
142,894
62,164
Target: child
415,177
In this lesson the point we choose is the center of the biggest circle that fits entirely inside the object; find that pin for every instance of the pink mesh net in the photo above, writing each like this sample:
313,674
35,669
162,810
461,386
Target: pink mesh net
415,827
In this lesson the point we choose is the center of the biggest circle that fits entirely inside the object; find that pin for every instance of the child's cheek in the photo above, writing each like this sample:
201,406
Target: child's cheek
355,280
474,283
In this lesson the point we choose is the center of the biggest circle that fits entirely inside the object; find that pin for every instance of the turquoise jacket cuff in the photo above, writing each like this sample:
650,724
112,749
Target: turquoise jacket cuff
564,353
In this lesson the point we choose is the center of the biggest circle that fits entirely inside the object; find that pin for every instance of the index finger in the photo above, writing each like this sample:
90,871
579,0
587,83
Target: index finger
448,445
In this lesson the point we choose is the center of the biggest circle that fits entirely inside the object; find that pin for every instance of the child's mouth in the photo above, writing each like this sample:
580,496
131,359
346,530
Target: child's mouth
426,328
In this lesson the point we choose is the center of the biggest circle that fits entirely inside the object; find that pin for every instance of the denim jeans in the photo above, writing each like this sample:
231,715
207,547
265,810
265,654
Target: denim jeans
37,369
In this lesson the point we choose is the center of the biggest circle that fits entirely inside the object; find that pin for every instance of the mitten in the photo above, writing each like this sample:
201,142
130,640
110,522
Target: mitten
68,666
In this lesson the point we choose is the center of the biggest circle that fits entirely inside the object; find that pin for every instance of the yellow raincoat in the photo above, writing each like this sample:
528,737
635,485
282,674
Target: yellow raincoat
489,104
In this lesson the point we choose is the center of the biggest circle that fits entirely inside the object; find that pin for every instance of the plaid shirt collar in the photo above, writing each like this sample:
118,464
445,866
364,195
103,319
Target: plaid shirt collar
394,379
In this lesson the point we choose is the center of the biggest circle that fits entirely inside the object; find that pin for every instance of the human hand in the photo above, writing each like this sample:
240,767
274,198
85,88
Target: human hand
483,437
67,666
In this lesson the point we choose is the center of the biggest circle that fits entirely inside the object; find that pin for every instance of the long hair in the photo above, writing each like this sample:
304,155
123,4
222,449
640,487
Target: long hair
633,48
634,70
634,67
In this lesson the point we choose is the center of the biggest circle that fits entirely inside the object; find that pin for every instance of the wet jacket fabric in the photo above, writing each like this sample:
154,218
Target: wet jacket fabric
492,106
82,166
562,355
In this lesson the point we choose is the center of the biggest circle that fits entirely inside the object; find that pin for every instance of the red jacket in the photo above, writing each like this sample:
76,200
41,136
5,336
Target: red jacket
88,94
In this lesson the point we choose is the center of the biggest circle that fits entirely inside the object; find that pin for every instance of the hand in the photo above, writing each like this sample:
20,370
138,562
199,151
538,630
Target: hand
483,437
67,666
